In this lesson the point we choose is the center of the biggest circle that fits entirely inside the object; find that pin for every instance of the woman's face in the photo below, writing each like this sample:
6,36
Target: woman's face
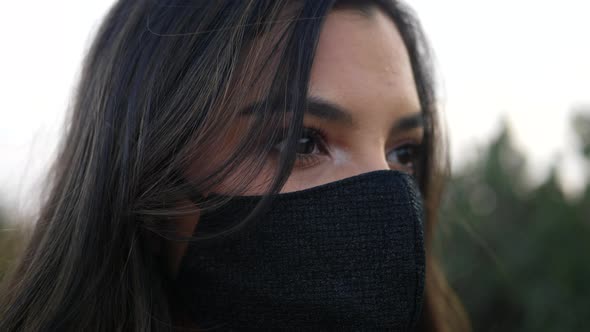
364,112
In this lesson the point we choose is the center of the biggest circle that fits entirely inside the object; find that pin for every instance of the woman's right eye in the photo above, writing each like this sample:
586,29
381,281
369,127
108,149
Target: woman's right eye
309,147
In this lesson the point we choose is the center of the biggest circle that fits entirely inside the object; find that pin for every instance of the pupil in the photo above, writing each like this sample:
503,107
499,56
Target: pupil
404,156
305,145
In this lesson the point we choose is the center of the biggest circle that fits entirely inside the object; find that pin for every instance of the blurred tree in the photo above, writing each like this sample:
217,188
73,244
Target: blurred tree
581,126
518,257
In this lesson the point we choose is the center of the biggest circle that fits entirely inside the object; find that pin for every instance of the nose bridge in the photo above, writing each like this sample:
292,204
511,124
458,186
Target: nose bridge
366,153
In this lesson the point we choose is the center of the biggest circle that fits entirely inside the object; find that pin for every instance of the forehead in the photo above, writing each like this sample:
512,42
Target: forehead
362,63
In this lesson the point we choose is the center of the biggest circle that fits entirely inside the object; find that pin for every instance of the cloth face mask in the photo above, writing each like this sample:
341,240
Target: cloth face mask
348,255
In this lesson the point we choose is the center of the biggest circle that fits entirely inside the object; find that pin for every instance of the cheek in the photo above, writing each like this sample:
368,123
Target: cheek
340,164
308,179
341,157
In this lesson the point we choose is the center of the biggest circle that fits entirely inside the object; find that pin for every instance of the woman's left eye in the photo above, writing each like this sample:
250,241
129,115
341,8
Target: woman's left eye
405,156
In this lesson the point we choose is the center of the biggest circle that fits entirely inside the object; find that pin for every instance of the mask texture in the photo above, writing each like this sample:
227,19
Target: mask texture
347,255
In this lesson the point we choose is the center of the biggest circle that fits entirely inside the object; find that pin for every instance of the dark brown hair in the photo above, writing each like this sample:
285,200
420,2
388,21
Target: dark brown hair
162,85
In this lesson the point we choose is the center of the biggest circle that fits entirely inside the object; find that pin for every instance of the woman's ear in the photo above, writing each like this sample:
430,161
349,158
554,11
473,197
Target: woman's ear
184,228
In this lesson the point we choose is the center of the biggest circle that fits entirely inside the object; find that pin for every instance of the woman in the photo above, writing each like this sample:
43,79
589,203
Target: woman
243,165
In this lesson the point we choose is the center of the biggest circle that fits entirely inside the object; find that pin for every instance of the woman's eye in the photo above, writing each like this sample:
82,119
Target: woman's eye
405,156
308,147
309,142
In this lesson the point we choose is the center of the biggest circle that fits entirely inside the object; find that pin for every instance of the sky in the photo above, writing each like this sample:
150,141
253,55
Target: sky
521,61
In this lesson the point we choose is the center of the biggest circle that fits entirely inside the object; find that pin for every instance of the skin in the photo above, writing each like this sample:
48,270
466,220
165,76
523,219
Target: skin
361,68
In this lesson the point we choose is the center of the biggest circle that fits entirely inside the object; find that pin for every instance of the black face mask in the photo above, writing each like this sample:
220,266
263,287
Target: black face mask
348,255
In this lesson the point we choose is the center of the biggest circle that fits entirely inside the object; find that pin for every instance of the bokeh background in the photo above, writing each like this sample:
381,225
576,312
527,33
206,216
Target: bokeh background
514,75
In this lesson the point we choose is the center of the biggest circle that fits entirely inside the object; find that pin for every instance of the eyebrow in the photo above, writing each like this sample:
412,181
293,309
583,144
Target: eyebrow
329,111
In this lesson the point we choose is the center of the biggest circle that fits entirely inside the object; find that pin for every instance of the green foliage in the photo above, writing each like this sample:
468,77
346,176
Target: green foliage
519,258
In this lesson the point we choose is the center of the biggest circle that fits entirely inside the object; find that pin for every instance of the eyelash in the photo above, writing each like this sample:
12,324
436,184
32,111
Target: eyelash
308,160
